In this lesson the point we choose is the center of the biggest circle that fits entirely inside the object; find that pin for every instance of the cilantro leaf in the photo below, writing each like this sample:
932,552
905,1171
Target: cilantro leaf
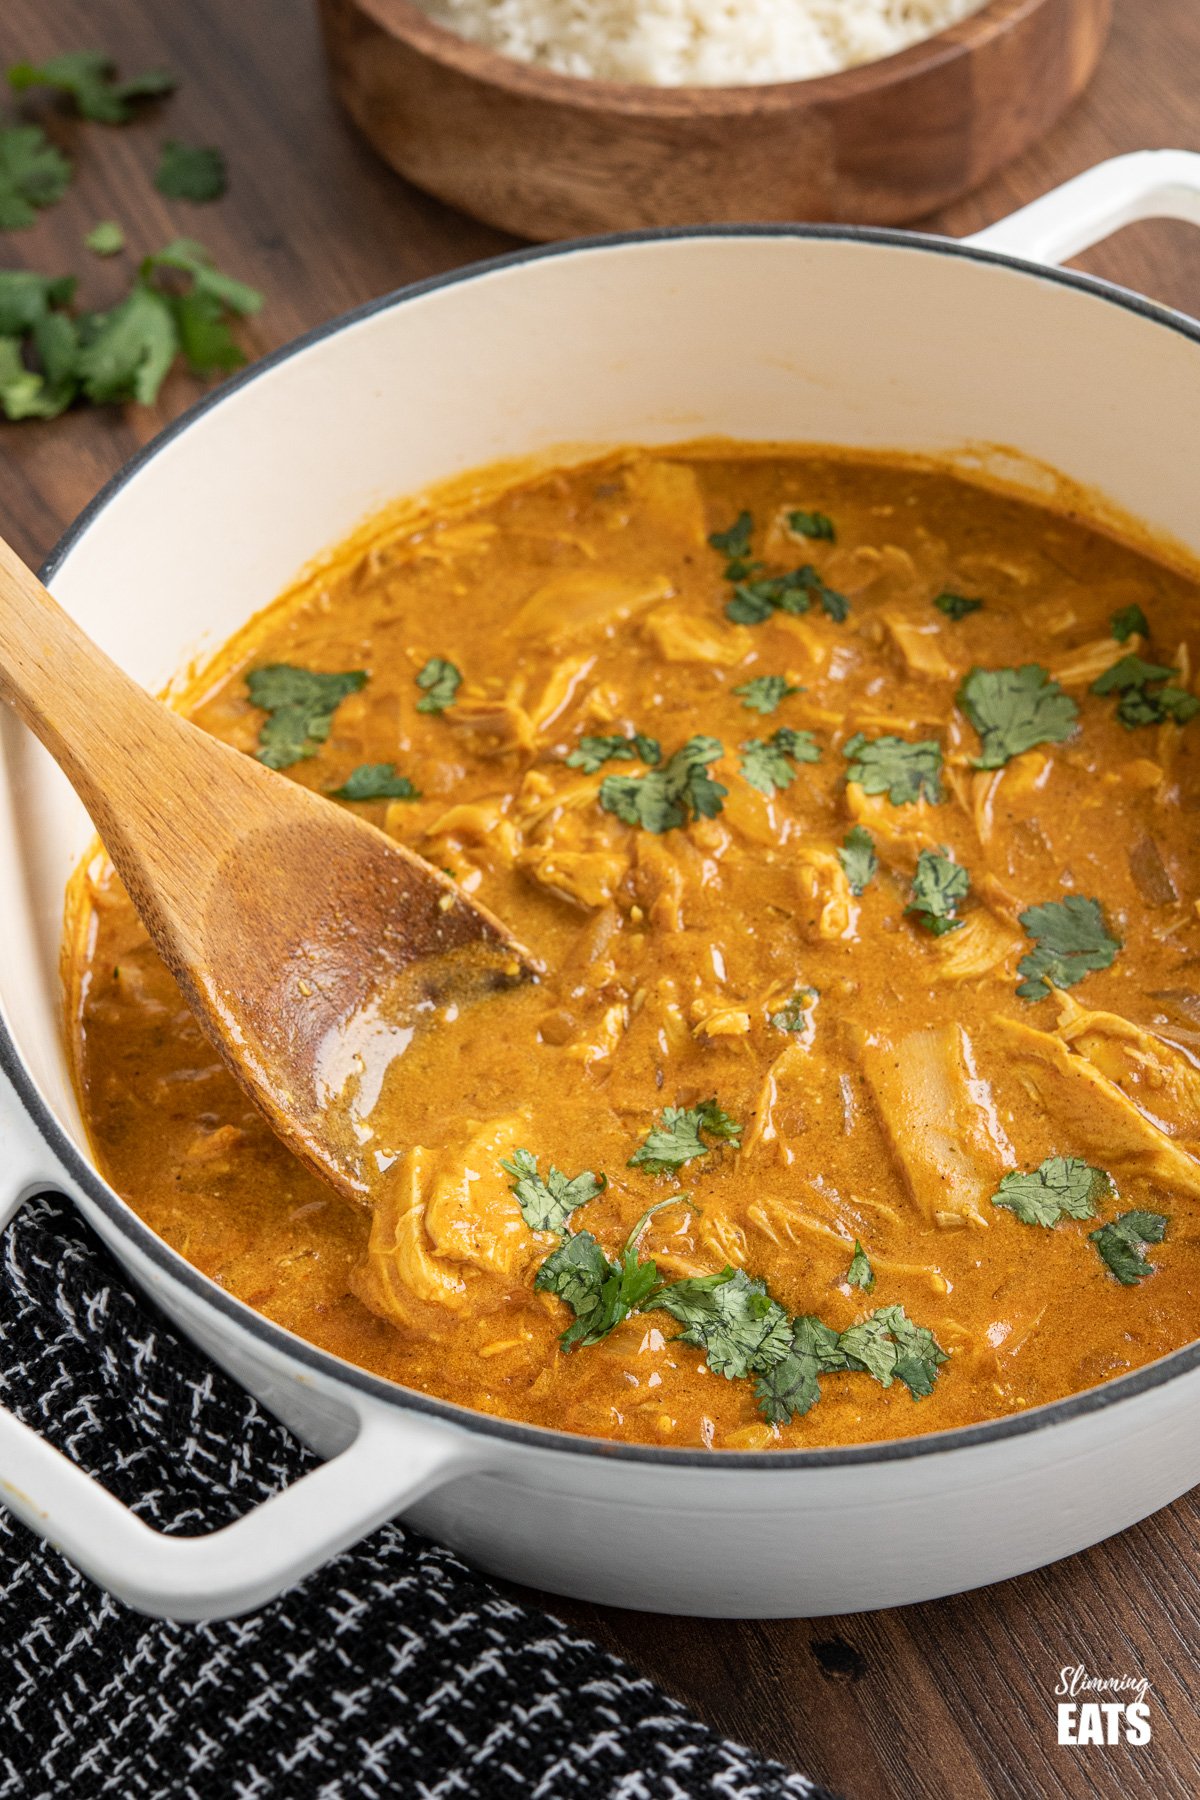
87,76
735,541
938,886
812,525
1127,622
601,1294
1071,940
732,1318
662,799
956,606
547,1205
1120,1243
796,1013
677,1139
301,704
1062,1187
858,859
890,1347
769,766
753,602
593,752
1132,679
790,1388
190,172
186,257
1014,709
439,682
860,1274
33,174
890,765
127,351
105,239
23,393
764,693
25,298
374,781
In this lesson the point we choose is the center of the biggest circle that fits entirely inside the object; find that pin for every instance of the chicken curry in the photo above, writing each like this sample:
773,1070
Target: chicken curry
850,808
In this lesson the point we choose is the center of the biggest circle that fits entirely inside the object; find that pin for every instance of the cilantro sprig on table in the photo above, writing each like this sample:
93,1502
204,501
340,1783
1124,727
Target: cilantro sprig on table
300,704
905,772
180,302
1148,693
1071,940
664,799
1015,709
593,752
773,764
190,172
678,1137
33,174
89,79
939,886
1062,1187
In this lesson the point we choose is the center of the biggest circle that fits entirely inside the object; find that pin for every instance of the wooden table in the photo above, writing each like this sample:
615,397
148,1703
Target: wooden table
953,1699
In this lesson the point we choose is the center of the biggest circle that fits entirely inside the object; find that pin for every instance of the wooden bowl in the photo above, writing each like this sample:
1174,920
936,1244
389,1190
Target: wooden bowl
548,156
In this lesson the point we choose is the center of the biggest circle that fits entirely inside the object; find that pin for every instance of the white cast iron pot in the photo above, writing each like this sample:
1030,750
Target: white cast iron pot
856,337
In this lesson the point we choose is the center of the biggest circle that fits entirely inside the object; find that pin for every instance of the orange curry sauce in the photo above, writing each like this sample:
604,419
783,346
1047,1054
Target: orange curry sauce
885,1108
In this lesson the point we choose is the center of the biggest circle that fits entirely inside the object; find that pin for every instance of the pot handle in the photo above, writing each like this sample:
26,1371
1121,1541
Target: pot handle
1147,184
391,1462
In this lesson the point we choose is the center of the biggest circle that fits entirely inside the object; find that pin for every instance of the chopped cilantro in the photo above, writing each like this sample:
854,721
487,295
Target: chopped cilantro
439,682
1133,679
790,1388
812,525
25,298
956,606
677,1138
1063,1187
769,766
1120,1243
33,174
87,77
301,704
858,859
890,765
1128,622
125,353
190,172
105,239
1071,940
795,1014
860,1274
375,781
764,693
662,799
600,1293
938,886
547,1205
732,1318
1014,709
753,602
594,752
736,540
891,1348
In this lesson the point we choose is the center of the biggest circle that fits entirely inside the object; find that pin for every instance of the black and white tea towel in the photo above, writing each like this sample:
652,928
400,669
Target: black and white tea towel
395,1673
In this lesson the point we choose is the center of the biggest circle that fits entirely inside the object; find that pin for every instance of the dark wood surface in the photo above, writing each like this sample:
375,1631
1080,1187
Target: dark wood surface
953,1699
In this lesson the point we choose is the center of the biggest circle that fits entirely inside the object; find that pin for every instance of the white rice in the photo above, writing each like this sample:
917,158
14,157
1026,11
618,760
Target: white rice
667,43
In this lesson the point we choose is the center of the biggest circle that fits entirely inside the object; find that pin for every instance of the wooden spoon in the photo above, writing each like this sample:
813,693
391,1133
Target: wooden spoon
283,917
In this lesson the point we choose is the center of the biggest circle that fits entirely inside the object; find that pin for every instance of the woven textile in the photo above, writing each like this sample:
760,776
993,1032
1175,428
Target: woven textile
394,1672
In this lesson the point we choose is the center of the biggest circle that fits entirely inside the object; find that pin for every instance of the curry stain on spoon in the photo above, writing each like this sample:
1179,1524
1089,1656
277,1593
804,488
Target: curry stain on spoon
294,929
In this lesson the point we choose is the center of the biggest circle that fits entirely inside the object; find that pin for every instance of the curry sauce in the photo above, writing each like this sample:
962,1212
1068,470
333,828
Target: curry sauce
851,810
